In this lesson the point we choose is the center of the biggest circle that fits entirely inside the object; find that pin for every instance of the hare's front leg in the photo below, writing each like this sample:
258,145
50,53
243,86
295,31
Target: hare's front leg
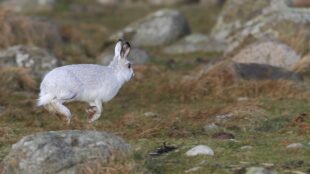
94,111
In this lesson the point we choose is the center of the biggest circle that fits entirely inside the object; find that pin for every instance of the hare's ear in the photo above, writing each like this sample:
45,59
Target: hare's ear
125,50
118,48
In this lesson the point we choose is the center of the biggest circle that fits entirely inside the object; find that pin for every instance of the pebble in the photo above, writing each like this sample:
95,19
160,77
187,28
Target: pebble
223,118
194,169
246,147
200,150
210,127
150,114
294,146
259,170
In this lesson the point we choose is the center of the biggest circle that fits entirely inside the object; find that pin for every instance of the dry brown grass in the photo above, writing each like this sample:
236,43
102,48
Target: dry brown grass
224,81
16,78
19,29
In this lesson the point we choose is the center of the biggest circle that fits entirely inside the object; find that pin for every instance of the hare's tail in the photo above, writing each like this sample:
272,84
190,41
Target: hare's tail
45,99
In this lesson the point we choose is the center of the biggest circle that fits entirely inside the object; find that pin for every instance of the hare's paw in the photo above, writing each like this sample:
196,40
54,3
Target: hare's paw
94,117
92,110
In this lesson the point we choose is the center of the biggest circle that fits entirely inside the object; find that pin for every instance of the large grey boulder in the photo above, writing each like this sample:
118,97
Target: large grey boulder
270,53
28,5
159,28
63,152
34,58
262,19
136,56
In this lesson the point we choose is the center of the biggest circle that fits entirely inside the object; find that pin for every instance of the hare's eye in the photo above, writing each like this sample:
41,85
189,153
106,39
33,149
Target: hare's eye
129,65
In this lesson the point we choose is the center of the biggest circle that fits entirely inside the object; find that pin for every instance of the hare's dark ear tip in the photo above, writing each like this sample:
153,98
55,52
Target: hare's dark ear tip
120,40
128,44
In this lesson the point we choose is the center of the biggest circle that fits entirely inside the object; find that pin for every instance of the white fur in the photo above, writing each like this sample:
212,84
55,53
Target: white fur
94,84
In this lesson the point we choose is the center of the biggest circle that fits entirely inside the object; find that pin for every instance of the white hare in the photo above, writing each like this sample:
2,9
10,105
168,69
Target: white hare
94,84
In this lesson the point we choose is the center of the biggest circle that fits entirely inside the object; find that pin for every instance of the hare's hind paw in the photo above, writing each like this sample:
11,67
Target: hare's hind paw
92,110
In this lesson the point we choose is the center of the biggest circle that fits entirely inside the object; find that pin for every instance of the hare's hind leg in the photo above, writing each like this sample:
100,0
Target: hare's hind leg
94,111
61,109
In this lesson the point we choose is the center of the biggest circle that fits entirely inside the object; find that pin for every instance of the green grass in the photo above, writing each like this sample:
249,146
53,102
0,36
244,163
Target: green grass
183,108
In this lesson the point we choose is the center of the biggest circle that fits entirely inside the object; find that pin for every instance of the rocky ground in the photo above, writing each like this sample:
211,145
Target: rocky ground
220,86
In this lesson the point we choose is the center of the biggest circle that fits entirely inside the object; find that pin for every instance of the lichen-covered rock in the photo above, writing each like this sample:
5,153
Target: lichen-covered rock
136,56
159,28
195,43
270,53
28,5
62,152
244,21
34,58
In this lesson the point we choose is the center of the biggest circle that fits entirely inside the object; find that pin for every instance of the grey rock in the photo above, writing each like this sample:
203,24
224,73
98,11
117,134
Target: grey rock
223,118
192,170
259,170
29,5
261,19
62,151
109,2
159,28
200,150
136,56
195,43
150,114
37,59
146,2
171,2
295,146
210,128
270,53
247,147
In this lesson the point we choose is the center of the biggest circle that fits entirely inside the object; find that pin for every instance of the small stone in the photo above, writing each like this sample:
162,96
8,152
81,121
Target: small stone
200,150
150,114
259,170
267,164
294,146
210,127
194,169
246,147
242,98
298,172
223,118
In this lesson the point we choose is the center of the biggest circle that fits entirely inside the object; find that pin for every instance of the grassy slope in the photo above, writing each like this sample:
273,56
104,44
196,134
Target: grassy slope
182,110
